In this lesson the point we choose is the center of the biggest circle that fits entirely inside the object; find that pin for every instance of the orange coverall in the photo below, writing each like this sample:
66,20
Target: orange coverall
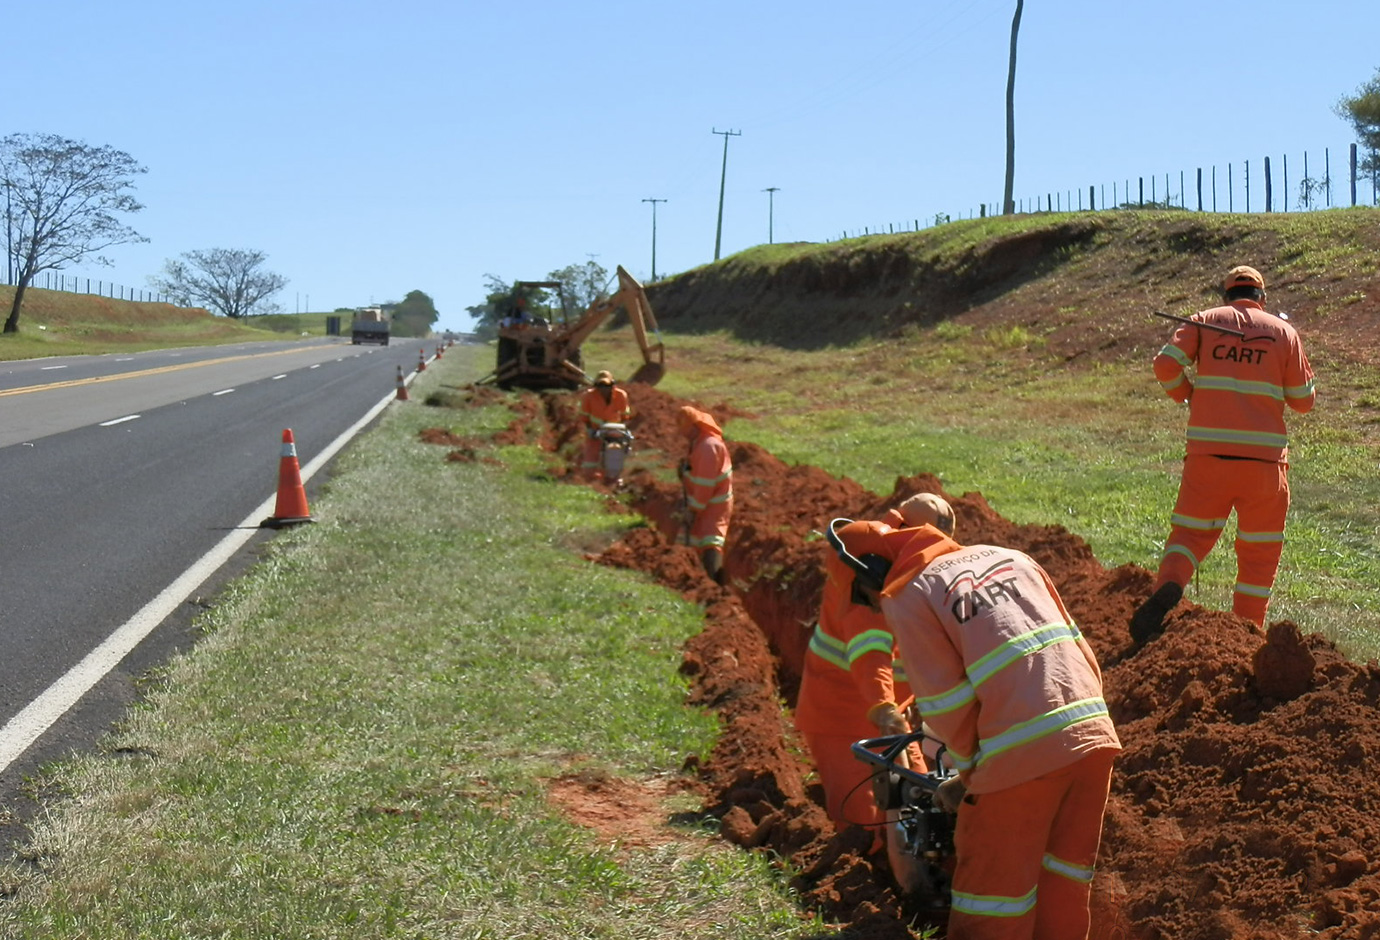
708,481
1003,676
849,669
596,413
1237,452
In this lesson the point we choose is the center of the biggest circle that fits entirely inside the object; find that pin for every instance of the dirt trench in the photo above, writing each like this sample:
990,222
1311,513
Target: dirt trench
1245,805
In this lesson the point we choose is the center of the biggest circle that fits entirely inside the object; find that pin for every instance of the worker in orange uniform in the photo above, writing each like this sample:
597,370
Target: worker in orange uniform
707,477
1004,678
853,687
603,403
1238,452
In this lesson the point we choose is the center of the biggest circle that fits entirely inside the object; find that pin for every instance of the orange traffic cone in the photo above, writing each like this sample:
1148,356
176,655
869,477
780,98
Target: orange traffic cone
421,360
402,386
291,507
438,351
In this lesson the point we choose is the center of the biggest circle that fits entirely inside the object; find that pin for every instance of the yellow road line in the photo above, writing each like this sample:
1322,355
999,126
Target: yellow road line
73,383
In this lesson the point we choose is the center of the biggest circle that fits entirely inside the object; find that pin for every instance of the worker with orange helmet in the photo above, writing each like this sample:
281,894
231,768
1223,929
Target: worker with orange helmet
1005,679
707,477
602,403
1249,364
852,686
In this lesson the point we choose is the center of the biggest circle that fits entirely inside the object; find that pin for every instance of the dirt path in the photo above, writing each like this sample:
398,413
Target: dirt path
1245,806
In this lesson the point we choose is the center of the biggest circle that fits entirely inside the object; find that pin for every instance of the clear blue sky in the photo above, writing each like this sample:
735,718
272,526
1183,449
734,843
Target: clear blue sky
375,148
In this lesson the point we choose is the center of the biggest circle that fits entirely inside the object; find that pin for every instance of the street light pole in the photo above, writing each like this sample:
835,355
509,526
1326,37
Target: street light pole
654,202
771,192
719,231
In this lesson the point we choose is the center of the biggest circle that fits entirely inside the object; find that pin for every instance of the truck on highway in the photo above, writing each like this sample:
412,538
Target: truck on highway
370,325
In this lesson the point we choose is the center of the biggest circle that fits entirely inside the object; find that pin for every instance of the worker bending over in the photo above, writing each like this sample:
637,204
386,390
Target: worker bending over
603,403
850,687
707,477
1004,678
1237,453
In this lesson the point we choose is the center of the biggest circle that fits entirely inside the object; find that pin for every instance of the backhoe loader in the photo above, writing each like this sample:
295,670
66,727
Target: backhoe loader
534,353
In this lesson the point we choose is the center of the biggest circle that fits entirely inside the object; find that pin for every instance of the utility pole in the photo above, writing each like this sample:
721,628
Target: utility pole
654,202
771,192
719,231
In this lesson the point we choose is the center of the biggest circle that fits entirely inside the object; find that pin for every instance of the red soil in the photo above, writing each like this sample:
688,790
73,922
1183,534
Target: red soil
1243,808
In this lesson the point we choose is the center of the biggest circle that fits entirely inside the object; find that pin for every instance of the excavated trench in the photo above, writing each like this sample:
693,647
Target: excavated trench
1244,807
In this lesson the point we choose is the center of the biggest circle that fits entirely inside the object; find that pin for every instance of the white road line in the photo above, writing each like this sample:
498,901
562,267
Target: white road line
114,421
50,368
39,715
277,377
224,391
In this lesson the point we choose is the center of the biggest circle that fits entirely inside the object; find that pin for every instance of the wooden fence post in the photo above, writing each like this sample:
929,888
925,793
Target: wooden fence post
1269,190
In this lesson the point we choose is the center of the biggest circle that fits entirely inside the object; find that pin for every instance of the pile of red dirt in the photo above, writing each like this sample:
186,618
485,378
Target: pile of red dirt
1243,808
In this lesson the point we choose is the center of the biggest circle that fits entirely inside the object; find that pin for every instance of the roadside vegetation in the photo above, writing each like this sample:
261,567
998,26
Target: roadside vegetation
364,743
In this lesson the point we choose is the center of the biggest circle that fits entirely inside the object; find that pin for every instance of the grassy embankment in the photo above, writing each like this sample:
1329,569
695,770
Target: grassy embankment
1095,448
361,744
61,323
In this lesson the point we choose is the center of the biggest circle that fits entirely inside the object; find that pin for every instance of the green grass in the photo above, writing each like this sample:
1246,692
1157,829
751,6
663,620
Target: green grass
1097,451
361,744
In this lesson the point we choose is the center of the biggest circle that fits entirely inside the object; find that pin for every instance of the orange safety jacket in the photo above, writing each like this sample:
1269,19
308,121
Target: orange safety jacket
597,412
1236,403
1000,671
708,482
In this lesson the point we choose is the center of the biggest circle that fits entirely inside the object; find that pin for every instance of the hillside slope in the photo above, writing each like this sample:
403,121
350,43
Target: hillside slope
1085,282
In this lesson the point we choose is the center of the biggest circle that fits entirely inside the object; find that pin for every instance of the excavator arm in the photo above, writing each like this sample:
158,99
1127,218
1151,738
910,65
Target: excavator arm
632,298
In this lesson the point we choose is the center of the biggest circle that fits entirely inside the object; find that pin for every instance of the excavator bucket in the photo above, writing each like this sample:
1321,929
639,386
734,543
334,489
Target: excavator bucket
649,373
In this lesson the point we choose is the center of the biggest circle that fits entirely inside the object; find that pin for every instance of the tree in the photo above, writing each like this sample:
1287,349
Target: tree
227,281
581,284
1363,111
1008,202
62,198
415,315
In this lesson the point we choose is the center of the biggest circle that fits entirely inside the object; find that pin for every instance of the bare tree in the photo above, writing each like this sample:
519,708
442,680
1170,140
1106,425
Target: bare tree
1008,202
227,281
61,201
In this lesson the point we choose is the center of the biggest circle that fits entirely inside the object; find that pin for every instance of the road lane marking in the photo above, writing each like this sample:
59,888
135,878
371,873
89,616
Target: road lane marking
224,391
114,421
55,701
159,370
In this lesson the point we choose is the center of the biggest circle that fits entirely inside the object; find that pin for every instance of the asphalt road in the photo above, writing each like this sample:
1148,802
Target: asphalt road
117,476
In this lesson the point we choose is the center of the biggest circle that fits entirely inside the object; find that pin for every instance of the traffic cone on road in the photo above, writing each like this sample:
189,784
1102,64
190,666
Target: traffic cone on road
438,351
421,360
402,386
291,507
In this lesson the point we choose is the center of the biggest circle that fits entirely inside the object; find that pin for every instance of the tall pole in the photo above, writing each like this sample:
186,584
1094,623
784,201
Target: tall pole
1008,203
9,238
771,192
719,231
654,202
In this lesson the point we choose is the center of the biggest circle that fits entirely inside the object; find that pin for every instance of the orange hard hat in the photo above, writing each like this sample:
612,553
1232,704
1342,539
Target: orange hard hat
1243,275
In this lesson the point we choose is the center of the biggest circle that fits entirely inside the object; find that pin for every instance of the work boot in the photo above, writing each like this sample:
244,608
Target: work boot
1148,620
713,561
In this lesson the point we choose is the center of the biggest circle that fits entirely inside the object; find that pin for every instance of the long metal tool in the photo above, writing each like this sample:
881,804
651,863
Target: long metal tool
1207,326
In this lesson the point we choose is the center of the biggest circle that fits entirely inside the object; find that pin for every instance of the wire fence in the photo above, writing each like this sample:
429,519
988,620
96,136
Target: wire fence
73,284
1249,186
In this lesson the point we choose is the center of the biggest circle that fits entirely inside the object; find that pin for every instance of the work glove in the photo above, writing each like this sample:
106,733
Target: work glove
950,793
888,719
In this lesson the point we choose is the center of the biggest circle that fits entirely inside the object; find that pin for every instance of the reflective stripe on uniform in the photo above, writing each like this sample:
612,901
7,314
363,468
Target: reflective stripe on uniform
1065,716
1224,383
830,649
1237,436
1259,536
947,701
993,905
869,641
1252,590
1193,522
1019,647
1080,873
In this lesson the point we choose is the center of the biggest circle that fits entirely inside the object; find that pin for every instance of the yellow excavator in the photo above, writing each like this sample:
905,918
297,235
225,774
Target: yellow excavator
535,353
